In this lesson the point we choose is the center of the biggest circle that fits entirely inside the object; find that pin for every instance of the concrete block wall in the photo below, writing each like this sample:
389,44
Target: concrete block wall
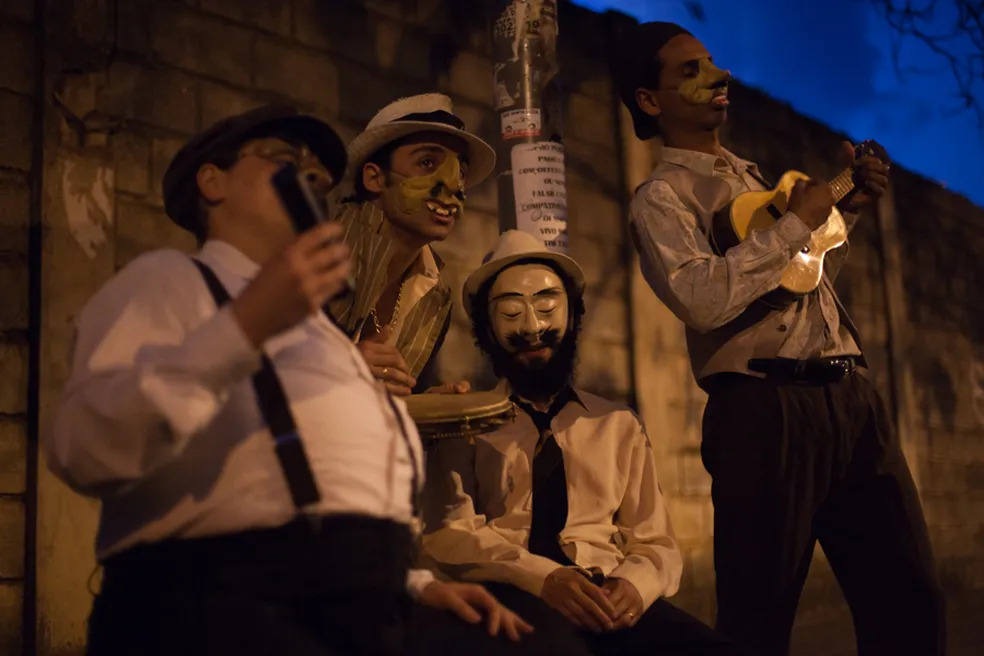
941,236
17,105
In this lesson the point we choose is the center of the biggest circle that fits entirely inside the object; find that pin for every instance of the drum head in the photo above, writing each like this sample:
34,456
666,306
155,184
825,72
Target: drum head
444,408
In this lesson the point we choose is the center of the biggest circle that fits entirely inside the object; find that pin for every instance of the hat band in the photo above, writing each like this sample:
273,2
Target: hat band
438,116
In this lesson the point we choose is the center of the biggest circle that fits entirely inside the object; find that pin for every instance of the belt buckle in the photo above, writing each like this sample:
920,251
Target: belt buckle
843,366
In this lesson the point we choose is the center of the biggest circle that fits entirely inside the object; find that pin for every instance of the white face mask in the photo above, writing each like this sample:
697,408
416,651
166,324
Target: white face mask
525,302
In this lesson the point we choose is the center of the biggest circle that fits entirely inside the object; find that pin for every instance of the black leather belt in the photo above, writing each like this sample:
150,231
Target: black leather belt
813,371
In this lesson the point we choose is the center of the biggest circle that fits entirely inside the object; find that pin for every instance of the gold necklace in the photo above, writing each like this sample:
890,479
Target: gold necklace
396,311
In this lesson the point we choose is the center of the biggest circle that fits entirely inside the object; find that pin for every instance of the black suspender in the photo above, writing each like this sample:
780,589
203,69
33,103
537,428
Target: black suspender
276,413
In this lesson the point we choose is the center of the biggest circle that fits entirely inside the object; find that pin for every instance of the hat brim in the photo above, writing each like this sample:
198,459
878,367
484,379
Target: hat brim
484,273
481,156
323,141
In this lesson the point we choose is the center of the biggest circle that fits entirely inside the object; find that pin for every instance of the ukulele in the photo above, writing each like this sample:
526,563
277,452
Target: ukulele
759,210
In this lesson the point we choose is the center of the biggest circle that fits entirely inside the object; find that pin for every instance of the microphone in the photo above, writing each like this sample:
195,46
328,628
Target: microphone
304,209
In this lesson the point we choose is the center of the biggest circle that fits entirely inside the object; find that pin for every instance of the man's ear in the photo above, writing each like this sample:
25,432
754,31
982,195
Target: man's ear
646,99
211,183
373,178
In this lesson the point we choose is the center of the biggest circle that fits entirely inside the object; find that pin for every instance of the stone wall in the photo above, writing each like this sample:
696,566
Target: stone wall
941,359
133,79
17,165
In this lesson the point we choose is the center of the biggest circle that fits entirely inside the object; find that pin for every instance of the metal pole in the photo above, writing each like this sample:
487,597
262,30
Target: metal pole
532,191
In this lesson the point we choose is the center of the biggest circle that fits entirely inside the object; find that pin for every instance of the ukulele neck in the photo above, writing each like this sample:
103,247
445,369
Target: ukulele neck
843,184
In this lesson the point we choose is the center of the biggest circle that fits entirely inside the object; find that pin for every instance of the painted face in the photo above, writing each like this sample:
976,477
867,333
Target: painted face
692,93
424,190
441,192
708,86
528,309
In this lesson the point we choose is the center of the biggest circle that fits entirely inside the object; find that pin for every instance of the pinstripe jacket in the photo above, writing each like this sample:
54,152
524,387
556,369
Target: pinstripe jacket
424,323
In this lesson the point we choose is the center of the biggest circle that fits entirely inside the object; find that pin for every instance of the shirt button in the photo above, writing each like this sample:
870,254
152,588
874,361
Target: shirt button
782,327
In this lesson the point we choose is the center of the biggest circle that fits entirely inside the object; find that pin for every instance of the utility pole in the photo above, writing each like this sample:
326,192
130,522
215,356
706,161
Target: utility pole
532,190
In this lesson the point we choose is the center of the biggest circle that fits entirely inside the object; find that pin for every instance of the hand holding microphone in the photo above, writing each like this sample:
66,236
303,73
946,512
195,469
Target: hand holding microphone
304,207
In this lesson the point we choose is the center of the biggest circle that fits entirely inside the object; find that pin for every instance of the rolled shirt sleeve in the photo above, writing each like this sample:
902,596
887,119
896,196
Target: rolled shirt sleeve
152,367
703,289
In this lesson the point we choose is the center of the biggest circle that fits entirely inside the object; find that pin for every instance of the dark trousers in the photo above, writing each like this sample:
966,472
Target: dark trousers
335,589
792,464
663,630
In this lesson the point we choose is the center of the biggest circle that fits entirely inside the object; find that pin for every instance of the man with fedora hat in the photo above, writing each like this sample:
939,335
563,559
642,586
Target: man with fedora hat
409,171
258,486
796,439
560,512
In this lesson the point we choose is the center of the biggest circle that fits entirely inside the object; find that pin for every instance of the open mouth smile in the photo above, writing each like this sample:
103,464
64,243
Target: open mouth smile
442,210
720,97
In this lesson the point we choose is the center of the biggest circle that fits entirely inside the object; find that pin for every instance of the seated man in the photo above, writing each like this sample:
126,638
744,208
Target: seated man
560,510
192,380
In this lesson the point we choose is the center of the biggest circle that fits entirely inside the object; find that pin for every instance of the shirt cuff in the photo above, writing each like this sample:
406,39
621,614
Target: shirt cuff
794,232
643,575
533,574
417,580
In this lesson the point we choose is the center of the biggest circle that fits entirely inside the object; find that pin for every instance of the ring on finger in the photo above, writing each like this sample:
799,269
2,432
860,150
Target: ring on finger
385,371
631,615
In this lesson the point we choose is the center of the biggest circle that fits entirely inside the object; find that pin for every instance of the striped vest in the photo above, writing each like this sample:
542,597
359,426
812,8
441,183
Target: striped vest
371,255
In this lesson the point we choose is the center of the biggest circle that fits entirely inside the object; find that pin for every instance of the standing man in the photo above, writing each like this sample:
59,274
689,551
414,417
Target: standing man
797,441
560,513
409,170
173,417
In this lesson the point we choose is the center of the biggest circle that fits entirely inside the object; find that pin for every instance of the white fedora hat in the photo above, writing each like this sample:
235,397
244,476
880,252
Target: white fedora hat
513,246
428,112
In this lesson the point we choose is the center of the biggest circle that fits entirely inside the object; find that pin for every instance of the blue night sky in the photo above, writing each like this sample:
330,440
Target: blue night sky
832,61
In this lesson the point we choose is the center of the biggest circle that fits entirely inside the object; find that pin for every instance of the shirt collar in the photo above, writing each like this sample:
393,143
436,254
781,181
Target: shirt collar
229,257
705,163
578,395
427,262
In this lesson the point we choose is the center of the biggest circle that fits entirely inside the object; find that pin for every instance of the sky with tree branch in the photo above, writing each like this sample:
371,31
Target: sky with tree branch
839,62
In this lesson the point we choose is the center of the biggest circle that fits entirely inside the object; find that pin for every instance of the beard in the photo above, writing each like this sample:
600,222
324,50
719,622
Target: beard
537,380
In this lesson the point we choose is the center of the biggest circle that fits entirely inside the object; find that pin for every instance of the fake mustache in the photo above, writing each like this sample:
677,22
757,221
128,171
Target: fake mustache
550,338
435,193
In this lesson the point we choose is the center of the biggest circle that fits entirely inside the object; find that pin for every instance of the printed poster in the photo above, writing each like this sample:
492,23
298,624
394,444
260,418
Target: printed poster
541,192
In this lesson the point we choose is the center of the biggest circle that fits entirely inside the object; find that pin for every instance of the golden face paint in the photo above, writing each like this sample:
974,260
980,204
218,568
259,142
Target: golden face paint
416,191
700,90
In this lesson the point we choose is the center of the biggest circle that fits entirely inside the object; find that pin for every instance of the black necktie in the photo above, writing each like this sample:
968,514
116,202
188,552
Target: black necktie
549,488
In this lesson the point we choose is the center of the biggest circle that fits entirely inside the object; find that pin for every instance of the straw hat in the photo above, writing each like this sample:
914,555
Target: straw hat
513,246
429,112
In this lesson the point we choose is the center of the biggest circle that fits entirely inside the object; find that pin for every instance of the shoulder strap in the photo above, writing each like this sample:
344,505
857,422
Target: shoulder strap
276,413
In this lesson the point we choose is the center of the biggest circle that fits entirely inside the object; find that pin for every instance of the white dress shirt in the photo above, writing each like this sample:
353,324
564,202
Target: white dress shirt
670,217
160,421
421,279
479,511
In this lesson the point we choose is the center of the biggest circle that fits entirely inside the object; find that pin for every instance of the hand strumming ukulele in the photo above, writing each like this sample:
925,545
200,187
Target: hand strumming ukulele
759,210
